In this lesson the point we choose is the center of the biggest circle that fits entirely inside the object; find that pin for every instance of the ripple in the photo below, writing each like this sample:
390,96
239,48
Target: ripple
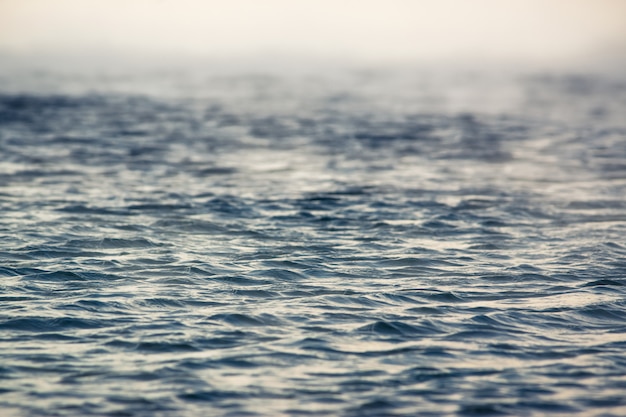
40,324
314,247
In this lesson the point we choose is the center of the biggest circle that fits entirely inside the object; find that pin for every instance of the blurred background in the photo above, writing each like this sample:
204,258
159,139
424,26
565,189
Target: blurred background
546,35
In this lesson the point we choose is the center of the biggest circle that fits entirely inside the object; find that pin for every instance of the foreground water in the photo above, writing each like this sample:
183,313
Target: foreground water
365,245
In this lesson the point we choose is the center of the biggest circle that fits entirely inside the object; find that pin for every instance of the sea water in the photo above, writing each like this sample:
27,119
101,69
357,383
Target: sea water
356,244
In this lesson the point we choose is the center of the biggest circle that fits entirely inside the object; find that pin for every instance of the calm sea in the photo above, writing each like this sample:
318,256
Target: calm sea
356,244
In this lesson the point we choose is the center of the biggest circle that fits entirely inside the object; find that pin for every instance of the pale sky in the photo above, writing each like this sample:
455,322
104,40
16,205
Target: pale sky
370,30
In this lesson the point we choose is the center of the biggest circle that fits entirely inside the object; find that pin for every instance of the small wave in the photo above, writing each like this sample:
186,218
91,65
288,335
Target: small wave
396,328
237,319
367,245
111,243
40,324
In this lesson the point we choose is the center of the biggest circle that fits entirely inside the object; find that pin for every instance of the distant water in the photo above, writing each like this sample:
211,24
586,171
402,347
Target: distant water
356,245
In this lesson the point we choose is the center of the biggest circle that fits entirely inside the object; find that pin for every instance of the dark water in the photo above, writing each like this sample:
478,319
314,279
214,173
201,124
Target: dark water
365,245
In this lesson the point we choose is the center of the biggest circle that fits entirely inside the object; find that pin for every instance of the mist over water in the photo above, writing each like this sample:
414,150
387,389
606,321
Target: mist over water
314,242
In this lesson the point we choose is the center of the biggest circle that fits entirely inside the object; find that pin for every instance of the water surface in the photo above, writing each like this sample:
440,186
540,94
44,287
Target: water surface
364,244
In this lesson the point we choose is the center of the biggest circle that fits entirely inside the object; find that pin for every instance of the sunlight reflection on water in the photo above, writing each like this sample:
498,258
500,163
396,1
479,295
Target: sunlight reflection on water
274,246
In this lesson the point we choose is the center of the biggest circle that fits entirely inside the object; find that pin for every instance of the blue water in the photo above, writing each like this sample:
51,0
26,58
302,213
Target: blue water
358,245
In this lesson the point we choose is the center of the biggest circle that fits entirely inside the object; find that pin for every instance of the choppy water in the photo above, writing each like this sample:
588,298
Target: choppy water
362,246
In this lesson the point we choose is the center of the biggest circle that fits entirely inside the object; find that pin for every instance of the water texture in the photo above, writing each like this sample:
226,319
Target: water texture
357,246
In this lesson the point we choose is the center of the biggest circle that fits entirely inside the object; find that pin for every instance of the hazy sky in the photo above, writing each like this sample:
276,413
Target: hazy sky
371,30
